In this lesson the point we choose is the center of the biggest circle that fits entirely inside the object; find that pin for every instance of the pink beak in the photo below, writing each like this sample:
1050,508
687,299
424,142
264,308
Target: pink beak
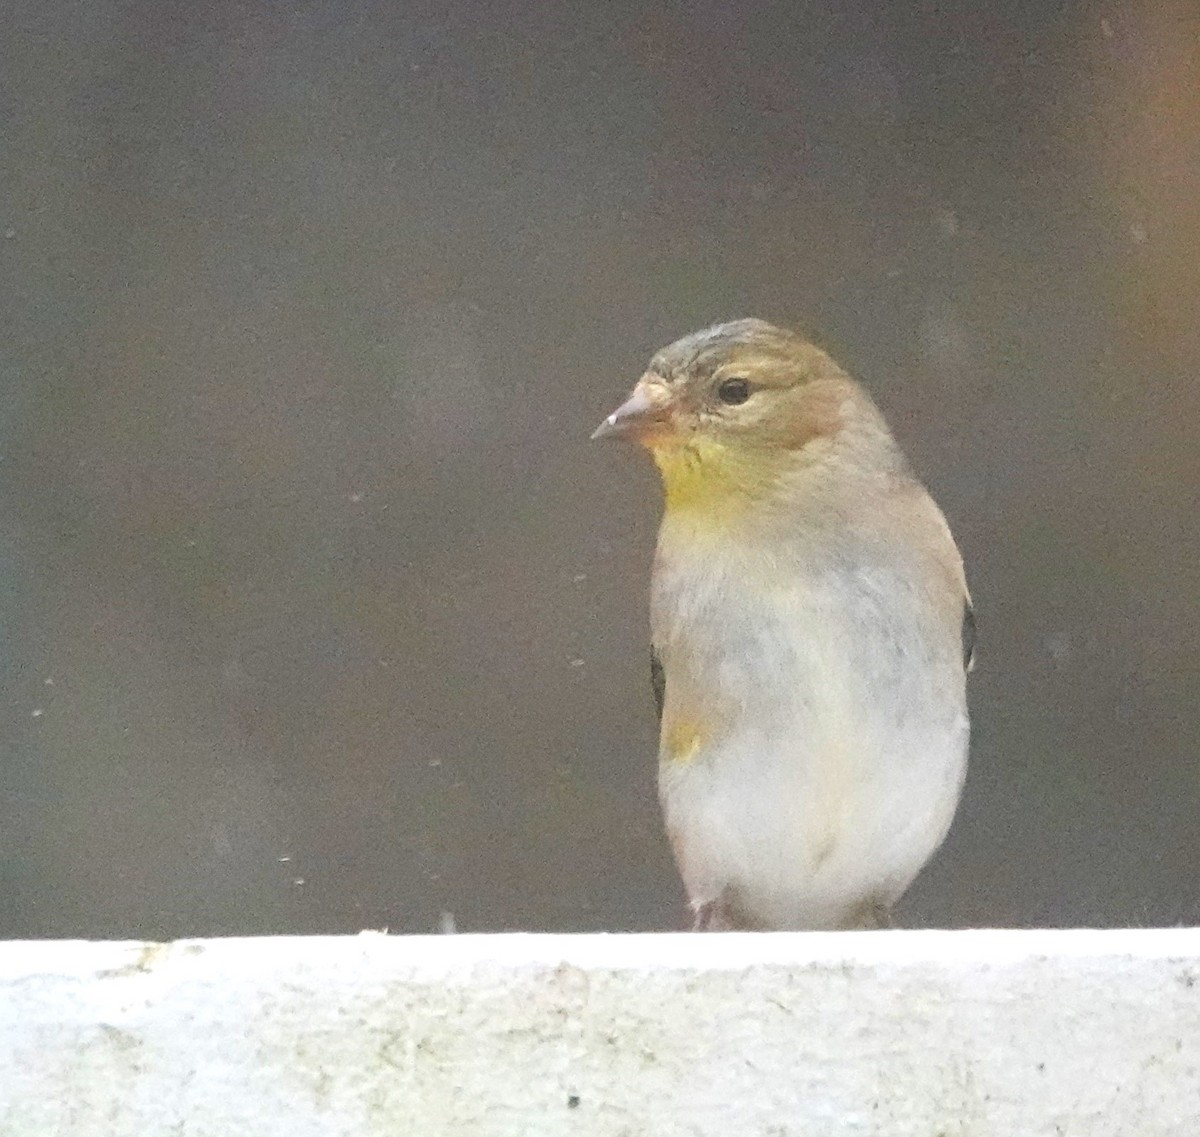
634,418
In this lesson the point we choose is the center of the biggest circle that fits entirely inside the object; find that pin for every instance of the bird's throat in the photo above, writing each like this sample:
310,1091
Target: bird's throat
706,478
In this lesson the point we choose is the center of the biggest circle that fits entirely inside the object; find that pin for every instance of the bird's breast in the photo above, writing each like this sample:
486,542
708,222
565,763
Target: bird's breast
835,650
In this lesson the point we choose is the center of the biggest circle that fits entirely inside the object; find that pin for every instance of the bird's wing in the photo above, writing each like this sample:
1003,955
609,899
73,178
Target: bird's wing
658,680
922,524
968,636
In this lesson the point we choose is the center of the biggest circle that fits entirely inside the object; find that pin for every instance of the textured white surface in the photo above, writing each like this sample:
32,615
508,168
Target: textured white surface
903,1034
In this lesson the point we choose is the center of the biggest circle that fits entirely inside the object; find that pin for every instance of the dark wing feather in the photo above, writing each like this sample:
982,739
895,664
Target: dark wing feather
968,636
658,680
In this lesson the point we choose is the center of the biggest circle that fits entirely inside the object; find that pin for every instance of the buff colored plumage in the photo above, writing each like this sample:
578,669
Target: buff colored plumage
811,634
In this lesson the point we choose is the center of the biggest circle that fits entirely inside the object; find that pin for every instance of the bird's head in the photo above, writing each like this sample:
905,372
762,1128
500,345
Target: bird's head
725,412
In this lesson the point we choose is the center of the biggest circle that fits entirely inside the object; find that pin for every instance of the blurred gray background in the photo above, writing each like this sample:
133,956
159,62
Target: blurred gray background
317,609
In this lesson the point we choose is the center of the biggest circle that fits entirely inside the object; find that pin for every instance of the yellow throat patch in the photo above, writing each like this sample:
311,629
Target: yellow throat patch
706,476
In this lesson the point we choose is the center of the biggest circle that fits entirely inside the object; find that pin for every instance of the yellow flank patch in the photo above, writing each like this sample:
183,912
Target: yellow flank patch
705,476
681,740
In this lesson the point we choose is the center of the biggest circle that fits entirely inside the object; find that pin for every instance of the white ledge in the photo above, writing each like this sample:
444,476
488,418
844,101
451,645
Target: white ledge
929,1034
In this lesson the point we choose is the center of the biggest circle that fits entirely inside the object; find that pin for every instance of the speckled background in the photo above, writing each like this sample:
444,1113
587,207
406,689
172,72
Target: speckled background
317,610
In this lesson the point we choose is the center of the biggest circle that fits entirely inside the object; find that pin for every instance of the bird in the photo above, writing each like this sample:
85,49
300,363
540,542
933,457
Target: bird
811,633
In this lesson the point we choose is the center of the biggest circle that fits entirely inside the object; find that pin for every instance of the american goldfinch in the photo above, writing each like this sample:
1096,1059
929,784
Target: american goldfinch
811,634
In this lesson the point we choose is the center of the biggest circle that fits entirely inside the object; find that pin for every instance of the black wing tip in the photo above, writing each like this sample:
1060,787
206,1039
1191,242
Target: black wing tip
968,637
658,680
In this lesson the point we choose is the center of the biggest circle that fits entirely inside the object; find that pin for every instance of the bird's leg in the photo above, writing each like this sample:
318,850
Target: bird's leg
872,915
709,916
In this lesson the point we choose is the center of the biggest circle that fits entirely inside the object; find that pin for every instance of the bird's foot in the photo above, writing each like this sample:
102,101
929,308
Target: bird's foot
709,916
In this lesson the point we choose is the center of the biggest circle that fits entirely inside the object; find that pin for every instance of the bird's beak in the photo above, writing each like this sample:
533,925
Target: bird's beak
637,417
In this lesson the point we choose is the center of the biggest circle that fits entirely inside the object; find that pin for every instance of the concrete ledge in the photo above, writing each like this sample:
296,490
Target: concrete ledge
928,1034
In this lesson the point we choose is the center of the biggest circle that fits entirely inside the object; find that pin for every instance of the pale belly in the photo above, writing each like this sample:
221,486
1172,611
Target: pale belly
791,838
827,753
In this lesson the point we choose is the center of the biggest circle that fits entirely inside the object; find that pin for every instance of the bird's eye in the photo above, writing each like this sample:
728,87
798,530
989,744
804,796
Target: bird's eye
734,391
